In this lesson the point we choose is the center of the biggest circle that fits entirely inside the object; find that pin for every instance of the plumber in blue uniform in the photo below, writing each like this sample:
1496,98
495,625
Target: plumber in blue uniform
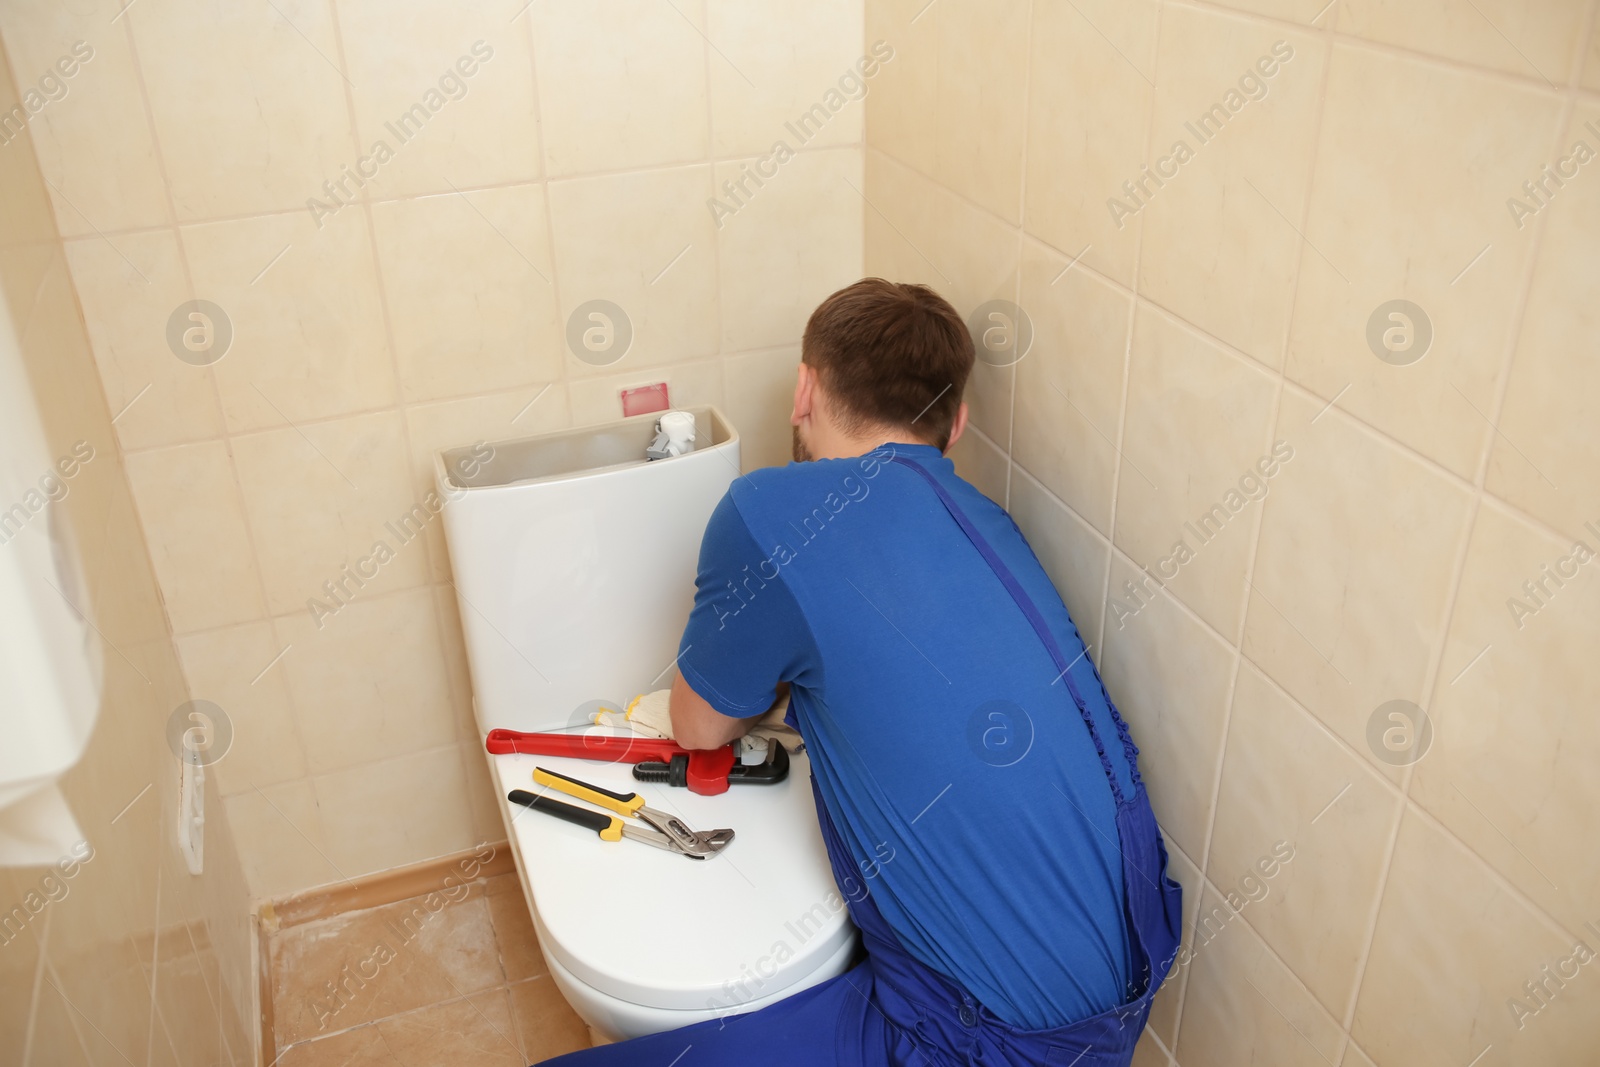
963,751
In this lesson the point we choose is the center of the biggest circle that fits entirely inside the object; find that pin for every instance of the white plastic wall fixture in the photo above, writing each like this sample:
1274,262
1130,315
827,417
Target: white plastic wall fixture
574,560
49,657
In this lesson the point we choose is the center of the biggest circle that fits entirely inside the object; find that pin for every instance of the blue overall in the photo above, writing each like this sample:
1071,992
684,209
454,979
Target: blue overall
891,1009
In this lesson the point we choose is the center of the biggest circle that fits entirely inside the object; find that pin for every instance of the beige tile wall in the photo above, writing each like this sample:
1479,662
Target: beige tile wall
425,309
126,958
1173,345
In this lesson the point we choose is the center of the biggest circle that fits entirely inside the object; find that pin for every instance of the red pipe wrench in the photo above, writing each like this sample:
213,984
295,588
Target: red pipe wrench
708,768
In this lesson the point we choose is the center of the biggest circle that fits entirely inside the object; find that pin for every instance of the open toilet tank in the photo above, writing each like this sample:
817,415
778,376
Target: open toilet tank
574,561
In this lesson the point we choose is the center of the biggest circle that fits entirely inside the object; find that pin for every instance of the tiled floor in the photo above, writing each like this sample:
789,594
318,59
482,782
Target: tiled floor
423,982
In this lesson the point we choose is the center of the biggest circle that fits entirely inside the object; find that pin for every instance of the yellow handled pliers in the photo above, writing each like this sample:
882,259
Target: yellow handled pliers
661,830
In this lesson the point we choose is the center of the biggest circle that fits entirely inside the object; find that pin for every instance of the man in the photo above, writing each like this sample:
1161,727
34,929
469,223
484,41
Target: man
962,748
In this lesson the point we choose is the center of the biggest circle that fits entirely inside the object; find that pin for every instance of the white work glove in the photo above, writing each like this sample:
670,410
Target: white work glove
650,715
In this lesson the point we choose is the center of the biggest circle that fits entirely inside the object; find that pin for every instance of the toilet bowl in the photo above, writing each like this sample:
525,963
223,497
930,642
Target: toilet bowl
642,940
574,561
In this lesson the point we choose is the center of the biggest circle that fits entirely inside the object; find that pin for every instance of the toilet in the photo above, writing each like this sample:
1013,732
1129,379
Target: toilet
574,561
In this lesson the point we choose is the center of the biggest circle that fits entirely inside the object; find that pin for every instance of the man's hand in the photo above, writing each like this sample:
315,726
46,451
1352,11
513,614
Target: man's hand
696,724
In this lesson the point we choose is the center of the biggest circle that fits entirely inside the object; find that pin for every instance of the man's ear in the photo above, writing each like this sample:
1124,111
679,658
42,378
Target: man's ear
804,395
957,427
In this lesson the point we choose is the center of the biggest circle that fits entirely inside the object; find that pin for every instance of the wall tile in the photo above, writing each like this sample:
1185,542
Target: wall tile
1148,1053
1403,201
230,668
383,820
1538,41
981,90
477,128
61,371
1245,1009
759,394
772,65
1169,677
453,647
128,293
1194,457
1512,767
471,291
1078,156
94,144
980,461
308,338
482,796
357,473
25,213
1354,1057
23,270
900,120
1286,780
689,385
1591,64
398,702
1164,1011
1286,10
1069,384
249,103
923,233
645,242
109,1000
1446,966
793,241
509,416
1352,571
282,845
1071,551
200,547
1220,240
1546,455
620,85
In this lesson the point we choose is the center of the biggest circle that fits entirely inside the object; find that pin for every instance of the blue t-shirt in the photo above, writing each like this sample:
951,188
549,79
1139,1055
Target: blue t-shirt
938,730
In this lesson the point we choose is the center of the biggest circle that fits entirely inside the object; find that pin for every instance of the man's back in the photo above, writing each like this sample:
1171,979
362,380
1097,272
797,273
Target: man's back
946,746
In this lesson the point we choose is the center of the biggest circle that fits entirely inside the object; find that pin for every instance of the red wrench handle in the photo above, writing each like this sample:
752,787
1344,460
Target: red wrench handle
708,768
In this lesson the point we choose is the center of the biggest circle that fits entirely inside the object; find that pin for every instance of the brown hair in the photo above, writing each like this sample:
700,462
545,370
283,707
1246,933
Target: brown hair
892,355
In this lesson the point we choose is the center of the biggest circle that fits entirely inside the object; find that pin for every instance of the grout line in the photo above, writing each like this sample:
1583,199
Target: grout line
42,942
224,434
542,149
72,1012
1349,40
1021,226
1127,370
1370,430
1274,423
711,183
1122,426
485,187
1433,674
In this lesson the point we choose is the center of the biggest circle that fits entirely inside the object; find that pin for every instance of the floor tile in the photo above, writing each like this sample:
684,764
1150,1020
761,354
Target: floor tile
477,1030
361,1047
351,969
546,1024
513,931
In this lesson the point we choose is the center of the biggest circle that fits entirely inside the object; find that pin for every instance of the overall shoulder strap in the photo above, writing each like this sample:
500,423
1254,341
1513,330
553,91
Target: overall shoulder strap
1041,628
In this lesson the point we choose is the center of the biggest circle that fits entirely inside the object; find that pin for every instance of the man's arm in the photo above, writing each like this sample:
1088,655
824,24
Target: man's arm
745,640
696,724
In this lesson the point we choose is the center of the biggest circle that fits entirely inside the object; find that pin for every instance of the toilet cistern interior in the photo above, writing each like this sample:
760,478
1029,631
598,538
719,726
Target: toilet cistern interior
574,559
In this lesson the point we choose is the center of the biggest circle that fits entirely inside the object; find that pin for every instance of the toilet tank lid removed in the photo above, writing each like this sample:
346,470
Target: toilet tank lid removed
571,453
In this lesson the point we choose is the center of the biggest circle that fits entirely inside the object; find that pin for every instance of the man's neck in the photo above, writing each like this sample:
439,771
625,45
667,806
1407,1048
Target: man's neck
842,446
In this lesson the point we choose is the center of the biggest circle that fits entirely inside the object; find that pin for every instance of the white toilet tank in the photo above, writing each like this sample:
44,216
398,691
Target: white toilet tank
574,561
